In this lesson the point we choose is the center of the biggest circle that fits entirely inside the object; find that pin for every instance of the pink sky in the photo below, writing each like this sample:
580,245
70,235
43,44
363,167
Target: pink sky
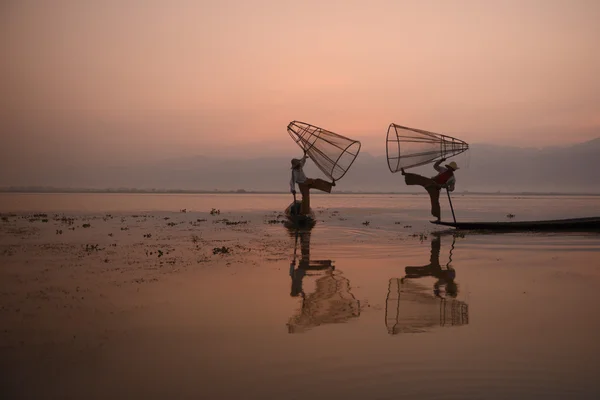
124,78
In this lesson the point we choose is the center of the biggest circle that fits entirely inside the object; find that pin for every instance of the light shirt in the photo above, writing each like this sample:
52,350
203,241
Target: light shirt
298,175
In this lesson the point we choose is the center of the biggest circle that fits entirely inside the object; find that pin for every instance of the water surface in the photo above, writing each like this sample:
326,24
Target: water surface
385,310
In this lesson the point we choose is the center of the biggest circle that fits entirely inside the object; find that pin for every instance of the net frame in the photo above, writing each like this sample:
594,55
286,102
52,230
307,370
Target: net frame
306,136
442,146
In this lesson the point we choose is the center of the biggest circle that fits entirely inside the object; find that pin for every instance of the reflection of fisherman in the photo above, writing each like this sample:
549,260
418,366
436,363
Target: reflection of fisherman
444,179
305,184
409,309
297,275
304,264
330,302
445,277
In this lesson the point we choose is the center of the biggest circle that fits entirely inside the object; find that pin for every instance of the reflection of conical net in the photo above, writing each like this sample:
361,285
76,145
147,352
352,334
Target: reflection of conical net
330,303
410,309
408,147
332,153
453,312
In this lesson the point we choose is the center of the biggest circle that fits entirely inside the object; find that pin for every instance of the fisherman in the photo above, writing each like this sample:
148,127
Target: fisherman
305,184
444,179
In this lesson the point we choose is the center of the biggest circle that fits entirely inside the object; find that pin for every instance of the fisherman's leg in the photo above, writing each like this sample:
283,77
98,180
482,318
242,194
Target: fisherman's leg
305,206
416,179
434,194
320,184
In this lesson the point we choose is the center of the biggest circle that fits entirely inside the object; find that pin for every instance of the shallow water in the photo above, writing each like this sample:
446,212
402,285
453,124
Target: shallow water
409,206
380,311
523,324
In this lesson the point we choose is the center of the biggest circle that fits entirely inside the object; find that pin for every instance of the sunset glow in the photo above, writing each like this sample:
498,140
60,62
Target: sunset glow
141,77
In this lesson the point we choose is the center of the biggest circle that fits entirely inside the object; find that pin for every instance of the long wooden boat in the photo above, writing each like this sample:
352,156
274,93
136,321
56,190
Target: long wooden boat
590,224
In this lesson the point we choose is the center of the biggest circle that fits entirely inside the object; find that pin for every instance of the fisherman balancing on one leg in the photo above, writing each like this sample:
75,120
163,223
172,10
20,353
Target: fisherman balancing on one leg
444,179
305,184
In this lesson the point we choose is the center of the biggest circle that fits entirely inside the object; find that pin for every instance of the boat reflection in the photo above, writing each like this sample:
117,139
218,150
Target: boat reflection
330,301
410,307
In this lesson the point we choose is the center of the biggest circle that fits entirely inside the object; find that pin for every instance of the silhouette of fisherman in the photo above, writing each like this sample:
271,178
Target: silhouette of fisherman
305,184
444,179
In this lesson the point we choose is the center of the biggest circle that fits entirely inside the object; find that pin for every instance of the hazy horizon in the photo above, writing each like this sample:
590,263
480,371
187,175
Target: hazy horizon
483,168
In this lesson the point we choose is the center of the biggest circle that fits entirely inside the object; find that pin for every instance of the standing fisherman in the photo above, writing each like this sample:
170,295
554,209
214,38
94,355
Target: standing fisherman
444,179
305,184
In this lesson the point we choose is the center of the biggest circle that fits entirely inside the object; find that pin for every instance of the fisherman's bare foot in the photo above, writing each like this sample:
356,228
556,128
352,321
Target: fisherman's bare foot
402,170
333,183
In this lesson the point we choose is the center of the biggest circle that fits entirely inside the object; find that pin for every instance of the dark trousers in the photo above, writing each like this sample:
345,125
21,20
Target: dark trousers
305,187
432,188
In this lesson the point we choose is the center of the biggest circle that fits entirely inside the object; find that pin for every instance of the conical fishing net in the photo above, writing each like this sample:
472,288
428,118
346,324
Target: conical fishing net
332,153
409,147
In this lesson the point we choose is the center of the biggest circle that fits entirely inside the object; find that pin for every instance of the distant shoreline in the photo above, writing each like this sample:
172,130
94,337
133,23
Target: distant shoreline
242,192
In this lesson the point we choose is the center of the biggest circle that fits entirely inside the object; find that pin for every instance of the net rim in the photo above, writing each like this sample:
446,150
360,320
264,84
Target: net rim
351,162
317,132
436,136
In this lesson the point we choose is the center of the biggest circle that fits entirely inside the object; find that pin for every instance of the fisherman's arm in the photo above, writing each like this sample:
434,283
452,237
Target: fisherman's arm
436,166
303,160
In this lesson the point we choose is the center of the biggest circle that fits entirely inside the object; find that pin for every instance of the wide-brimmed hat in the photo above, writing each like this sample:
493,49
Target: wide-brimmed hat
452,165
296,162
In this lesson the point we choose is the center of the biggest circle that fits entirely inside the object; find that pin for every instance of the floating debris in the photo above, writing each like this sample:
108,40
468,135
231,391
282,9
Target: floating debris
221,250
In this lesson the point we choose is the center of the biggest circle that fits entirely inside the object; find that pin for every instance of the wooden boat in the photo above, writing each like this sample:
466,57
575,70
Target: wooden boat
292,213
590,224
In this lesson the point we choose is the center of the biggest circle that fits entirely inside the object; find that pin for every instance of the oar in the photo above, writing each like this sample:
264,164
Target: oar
452,208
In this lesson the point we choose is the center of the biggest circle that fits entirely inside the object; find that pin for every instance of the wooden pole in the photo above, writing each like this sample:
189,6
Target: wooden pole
452,208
